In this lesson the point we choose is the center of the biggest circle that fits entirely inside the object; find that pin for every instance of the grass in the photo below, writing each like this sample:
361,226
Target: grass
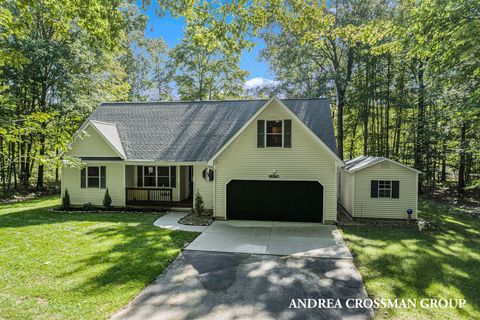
57,265
408,264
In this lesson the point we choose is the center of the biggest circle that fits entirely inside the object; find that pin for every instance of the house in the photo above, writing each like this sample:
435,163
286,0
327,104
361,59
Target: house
378,187
248,159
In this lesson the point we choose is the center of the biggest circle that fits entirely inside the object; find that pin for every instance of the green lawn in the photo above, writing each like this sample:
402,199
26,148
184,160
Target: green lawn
77,265
411,264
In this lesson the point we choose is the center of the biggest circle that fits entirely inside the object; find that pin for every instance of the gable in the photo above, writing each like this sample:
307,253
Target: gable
303,140
386,168
275,109
91,145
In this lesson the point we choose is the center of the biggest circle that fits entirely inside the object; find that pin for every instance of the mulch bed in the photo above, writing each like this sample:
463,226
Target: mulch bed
196,220
110,210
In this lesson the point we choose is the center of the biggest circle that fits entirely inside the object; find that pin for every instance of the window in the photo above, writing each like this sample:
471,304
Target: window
385,189
163,177
93,177
274,133
156,177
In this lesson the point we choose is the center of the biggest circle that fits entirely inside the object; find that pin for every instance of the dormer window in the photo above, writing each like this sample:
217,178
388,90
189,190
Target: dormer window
274,133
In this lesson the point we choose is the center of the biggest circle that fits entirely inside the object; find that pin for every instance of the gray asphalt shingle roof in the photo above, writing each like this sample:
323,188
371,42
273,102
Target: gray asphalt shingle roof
362,161
195,131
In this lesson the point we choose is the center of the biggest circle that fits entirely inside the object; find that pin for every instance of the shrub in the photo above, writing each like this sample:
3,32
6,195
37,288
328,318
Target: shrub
199,207
66,200
88,206
107,200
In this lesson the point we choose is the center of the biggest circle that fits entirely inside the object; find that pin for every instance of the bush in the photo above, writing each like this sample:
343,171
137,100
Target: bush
66,200
88,206
199,207
107,200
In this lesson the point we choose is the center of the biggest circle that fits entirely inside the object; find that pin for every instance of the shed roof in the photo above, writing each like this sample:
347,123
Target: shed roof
363,162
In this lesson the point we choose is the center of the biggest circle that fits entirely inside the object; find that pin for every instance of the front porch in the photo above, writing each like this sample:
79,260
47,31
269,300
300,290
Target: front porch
164,186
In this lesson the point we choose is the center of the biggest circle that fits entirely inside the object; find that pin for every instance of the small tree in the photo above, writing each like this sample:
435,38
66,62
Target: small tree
107,200
199,207
66,200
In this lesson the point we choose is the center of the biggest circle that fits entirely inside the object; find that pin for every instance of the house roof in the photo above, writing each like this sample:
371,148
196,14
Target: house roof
363,162
195,131
110,132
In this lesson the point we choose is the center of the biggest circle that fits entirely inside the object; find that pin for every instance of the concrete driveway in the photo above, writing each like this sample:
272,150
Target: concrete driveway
277,238
214,285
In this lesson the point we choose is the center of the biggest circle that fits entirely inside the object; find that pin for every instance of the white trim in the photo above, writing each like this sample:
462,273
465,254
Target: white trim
225,146
160,162
382,160
99,177
416,197
293,115
273,180
353,193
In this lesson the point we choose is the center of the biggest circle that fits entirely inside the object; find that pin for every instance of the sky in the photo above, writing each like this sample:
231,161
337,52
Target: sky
171,31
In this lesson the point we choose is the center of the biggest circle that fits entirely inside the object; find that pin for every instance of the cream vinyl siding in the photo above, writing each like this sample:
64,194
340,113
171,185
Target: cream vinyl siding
115,184
91,145
367,207
305,160
346,187
204,187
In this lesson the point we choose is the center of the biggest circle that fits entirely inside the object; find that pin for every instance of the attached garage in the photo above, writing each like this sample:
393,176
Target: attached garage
275,200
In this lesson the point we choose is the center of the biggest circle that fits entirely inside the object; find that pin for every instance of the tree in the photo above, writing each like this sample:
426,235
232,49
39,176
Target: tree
206,72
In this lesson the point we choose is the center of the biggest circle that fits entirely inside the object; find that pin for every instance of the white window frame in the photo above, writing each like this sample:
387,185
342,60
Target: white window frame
157,176
99,177
385,188
276,134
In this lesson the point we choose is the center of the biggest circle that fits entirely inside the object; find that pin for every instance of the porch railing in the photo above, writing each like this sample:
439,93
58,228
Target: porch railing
148,195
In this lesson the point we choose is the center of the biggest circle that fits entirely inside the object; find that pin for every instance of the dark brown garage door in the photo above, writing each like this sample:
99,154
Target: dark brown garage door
275,200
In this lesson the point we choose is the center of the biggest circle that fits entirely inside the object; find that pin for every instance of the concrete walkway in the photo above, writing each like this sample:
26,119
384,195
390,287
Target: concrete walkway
170,221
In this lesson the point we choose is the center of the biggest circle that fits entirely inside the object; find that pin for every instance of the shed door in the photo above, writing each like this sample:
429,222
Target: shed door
275,200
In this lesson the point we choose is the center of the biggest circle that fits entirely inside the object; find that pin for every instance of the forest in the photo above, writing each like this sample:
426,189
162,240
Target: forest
402,77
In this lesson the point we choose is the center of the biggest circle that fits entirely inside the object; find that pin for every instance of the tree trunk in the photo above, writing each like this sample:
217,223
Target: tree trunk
340,106
387,111
443,175
420,143
461,167
40,184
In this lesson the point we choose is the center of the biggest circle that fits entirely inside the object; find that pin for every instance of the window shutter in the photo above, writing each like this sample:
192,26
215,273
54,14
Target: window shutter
139,176
396,189
261,134
173,177
374,189
287,135
83,178
103,177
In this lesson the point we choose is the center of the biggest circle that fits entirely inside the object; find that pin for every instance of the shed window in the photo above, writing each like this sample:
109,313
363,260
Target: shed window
274,133
385,189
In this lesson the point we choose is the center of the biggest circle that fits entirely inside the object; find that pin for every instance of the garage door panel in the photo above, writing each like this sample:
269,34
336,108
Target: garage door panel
275,200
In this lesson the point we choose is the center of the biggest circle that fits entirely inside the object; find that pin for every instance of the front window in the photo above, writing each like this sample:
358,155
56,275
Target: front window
93,177
384,189
274,133
154,176
149,173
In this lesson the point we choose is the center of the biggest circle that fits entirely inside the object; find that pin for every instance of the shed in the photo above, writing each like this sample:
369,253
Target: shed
378,187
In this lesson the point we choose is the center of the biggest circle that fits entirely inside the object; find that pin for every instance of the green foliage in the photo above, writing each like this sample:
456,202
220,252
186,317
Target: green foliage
88,206
199,206
107,200
62,254
66,200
